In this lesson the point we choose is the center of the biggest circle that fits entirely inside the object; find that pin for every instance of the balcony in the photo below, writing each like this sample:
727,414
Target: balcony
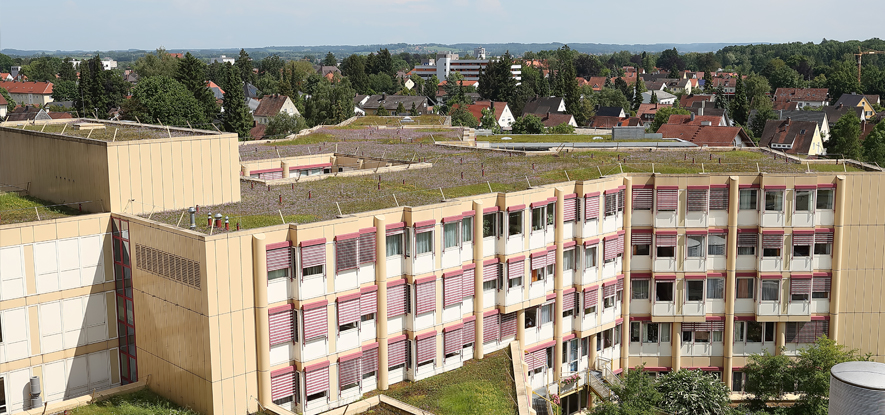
696,219
612,223
717,218
665,218
641,218
590,228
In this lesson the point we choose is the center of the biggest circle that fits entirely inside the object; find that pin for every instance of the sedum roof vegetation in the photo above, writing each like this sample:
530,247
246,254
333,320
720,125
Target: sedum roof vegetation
125,131
15,208
458,171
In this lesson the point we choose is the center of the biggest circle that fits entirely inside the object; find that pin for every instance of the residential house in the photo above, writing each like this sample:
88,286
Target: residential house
29,93
836,111
250,91
655,77
610,112
803,97
607,122
655,85
216,90
662,97
3,108
687,101
31,113
793,137
272,105
6,76
873,99
785,106
818,117
727,84
502,112
856,100
692,119
130,76
371,103
647,112
223,59
676,85
258,131
329,72
595,82
552,119
708,135
542,105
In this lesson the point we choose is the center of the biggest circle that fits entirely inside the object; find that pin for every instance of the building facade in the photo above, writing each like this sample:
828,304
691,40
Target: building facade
469,68
669,271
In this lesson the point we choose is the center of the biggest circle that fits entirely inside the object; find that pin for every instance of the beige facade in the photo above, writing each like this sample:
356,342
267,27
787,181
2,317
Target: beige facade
134,176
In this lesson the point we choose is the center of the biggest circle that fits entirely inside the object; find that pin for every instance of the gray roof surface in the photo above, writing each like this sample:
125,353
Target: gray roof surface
869,375
542,105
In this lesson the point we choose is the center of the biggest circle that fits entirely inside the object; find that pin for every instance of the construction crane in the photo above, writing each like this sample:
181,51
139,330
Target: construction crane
860,54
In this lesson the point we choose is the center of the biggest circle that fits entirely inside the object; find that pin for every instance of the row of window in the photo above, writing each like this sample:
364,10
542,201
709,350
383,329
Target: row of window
769,290
744,332
713,244
702,200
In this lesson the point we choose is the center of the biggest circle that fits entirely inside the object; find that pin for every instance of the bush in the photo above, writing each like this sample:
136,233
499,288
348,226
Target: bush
283,124
528,124
462,117
563,128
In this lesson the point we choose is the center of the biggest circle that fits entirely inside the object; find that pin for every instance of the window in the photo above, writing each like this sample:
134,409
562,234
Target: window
451,238
311,271
737,381
423,242
747,199
490,285
715,288
590,256
774,200
551,210
739,328
280,273
803,200
634,331
514,224
539,274
546,313
2,396
568,260
538,219
489,225
639,289
656,333
754,332
695,246
514,282
801,251
825,198
367,317
745,288
747,242
611,204
467,229
317,396
666,252
771,252
345,327
702,337
823,249
770,290
642,250
608,302
694,290
394,245
716,244
617,334
664,291
717,336
531,317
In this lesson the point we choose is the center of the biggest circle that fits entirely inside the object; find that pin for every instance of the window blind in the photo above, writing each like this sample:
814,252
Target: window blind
642,198
369,300
396,300
803,238
591,297
281,326
452,288
346,254
425,296
508,325
490,272
468,282
452,341
569,209
396,351
349,370
667,199
747,239
367,246
282,383
772,241
697,200
539,260
640,238
719,198
591,207
277,259
426,348
469,333
823,237
313,255
515,269
665,240
568,301
800,285
370,359
315,320
316,381
348,309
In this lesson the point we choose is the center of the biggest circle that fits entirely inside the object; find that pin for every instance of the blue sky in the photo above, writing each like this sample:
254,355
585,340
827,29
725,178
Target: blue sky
204,24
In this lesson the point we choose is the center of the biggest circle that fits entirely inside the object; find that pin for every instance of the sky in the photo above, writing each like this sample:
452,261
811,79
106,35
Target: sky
202,24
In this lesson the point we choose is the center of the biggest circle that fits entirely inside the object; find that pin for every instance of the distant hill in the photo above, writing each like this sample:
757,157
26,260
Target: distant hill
339,50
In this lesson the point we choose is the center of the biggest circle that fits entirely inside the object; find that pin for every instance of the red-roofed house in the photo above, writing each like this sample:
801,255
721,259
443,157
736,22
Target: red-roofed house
6,77
606,122
595,82
793,137
503,115
552,119
647,112
3,107
691,119
272,105
727,84
688,100
708,135
803,97
29,93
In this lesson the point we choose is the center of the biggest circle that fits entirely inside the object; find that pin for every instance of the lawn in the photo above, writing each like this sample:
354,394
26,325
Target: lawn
143,402
374,120
483,387
16,209
544,138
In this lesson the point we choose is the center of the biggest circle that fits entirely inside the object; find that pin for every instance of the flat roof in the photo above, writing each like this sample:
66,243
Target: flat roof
458,171
112,131
16,208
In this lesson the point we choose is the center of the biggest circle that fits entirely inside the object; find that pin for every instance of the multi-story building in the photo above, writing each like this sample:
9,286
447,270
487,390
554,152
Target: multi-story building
446,64
669,271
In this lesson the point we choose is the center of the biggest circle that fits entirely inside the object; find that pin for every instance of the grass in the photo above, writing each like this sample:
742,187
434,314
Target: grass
112,132
373,120
143,402
314,138
544,138
483,387
17,209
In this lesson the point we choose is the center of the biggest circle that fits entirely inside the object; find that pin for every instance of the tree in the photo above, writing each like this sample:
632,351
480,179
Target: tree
739,108
165,99
42,69
845,138
381,83
638,89
237,118
654,98
874,145
413,111
271,65
381,111
160,63
528,124
707,62
283,125
842,79
663,115
354,68
768,377
563,128
566,85
637,395
670,59
488,120
191,74
64,91
244,66
66,71
756,86
757,124
693,392
462,117
330,60
99,90
431,86
674,73
400,109
496,82
587,65
708,82
607,97
720,98
10,103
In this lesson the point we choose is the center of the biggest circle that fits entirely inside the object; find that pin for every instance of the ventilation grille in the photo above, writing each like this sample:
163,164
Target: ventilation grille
168,266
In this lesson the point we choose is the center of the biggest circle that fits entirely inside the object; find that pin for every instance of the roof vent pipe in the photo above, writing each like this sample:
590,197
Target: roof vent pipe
193,217
218,220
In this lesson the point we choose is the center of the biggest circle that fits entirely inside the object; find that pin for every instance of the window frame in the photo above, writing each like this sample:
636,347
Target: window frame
671,291
429,236
719,284
688,290
774,203
752,288
762,292
811,200
515,219
702,244
710,244
634,290
387,245
445,244
828,202
752,199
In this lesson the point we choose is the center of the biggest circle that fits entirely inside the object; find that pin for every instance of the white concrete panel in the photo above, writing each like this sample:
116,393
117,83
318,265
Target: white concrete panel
15,334
68,254
18,387
99,369
54,379
47,283
50,319
90,251
69,279
11,263
279,354
45,258
73,315
91,276
78,375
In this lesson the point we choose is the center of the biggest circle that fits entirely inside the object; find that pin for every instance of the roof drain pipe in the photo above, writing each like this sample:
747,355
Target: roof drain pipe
193,217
